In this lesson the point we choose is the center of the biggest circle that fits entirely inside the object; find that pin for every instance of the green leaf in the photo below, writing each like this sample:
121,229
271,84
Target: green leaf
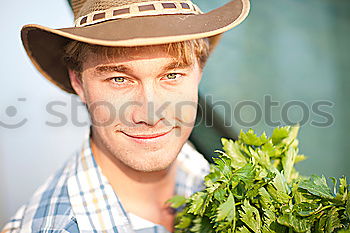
279,182
305,209
344,231
343,192
184,222
197,202
271,150
317,186
213,176
232,150
279,196
347,207
219,194
250,216
343,186
177,201
227,210
297,224
260,157
202,225
242,230
321,224
288,162
333,221
265,199
245,174
250,138
292,135
223,166
279,134
300,158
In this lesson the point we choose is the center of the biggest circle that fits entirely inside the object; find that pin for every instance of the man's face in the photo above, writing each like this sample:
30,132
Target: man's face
142,105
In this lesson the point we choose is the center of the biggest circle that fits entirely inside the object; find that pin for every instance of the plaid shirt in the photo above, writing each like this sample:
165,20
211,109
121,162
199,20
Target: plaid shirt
79,198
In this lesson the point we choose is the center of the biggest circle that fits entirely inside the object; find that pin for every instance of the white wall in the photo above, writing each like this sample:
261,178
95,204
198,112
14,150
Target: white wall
30,153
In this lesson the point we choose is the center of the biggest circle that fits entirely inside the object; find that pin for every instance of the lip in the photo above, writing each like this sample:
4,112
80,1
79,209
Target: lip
147,137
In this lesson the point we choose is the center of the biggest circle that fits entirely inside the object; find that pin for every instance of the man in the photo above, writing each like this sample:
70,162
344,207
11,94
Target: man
137,66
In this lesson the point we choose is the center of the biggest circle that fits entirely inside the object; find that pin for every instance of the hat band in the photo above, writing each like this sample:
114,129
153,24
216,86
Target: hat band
139,9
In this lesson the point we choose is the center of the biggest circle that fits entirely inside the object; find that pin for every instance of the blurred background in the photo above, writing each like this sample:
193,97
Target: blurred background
287,63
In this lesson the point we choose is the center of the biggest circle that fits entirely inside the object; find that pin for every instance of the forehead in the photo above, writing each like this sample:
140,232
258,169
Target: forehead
106,55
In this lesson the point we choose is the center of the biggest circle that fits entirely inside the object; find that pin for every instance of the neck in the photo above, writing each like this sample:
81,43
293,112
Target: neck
141,193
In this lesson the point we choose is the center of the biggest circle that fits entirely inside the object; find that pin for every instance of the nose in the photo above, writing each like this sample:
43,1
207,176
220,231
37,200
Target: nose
148,109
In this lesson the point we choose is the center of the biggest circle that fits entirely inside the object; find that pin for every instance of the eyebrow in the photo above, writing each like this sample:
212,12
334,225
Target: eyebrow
126,69
176,65
113,68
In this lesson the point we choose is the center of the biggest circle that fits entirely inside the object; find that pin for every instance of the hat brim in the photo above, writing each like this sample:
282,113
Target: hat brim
44,45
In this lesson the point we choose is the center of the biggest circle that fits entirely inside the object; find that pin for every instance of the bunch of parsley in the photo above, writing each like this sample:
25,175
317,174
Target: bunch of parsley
254,187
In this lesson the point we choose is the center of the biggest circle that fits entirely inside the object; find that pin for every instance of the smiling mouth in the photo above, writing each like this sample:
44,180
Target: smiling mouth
147,136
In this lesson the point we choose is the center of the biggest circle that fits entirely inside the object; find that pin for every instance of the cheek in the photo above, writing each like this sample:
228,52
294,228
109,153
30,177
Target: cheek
102,113
104,106
186,110
186,104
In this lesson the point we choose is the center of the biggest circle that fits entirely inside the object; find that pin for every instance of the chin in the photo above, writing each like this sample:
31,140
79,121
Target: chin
151,161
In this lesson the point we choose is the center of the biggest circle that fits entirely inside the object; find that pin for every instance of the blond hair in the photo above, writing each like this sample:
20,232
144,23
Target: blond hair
186,52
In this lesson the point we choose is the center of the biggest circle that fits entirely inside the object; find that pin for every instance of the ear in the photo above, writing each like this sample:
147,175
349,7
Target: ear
77,84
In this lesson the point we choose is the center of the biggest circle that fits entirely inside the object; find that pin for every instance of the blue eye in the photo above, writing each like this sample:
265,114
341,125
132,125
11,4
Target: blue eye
173,76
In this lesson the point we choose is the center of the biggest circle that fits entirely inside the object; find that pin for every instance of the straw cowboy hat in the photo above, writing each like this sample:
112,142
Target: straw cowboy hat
127,23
